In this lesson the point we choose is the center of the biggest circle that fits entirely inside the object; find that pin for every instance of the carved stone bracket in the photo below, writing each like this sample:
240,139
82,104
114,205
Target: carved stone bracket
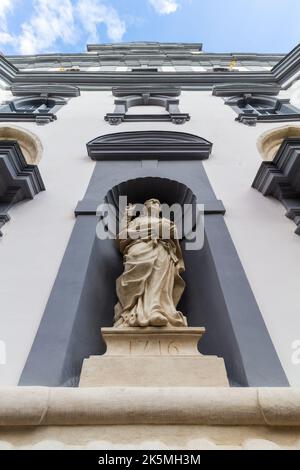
280,178
18,180
141,96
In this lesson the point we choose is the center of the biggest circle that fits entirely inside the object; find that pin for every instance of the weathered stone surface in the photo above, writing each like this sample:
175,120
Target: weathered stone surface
148,357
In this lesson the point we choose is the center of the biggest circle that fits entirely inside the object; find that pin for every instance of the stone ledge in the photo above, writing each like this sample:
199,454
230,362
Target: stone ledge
42,406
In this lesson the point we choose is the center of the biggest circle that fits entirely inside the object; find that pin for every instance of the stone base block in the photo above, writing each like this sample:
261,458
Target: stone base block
153,357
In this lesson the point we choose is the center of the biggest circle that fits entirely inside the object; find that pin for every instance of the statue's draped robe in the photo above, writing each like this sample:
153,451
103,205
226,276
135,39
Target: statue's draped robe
151,283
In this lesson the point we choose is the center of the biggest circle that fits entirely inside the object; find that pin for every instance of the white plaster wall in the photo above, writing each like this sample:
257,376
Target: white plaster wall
36,237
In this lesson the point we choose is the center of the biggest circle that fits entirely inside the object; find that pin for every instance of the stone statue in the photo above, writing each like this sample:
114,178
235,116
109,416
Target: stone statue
151,286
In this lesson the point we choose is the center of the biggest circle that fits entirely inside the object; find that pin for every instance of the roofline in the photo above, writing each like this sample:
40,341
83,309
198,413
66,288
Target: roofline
282,72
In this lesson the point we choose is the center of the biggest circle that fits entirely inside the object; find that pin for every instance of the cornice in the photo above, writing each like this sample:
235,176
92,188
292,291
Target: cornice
166,97
148,45
143,145
286,68
21,181
107,80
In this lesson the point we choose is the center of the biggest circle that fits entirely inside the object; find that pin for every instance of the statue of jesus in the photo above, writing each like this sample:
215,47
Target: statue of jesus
150,287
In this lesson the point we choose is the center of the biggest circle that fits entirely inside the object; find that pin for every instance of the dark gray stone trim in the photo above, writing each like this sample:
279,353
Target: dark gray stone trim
9,109
240,89
122,57
145,47
55,91
280,178
288,112
64,336
287,66
40,119
18,180
247,339
146,97
124,91
163,54
253,120
7,70
153,145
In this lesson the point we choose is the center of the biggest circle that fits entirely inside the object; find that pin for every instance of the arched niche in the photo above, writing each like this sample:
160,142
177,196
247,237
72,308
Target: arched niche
29,143
269,142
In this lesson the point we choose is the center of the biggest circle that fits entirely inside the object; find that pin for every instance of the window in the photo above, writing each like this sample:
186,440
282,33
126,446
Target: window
253,108
279,178
127,98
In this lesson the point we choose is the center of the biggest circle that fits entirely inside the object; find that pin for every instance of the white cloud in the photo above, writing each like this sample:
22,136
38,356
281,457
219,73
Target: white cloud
61,20
92,13
52,20
164,7
6,38
6,6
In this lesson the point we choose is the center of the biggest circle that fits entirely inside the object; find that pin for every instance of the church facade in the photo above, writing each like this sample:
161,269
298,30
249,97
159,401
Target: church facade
215,136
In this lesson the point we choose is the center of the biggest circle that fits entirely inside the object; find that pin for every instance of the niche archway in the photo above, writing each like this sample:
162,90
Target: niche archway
167,191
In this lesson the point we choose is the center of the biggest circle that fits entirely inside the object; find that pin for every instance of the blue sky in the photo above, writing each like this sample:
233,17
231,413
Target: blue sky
40,26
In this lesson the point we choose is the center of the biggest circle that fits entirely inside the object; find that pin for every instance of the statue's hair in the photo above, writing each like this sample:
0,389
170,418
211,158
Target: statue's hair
149,202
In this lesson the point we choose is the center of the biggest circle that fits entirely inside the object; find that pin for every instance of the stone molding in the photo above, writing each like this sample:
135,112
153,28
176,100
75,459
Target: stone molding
154,145
165,97
43,406
279,178
289,113
66,91
286,68
56,94
29,142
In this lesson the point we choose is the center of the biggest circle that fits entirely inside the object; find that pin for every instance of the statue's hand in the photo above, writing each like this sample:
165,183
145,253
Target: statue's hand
130,210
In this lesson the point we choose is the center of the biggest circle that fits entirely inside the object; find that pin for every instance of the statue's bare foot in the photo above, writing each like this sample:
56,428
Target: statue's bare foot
157,319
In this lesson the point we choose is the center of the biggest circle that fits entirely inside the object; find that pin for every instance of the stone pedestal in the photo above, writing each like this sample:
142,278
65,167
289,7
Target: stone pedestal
153,357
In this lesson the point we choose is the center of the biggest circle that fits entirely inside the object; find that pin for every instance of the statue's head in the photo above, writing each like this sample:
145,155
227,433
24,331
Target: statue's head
152,207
